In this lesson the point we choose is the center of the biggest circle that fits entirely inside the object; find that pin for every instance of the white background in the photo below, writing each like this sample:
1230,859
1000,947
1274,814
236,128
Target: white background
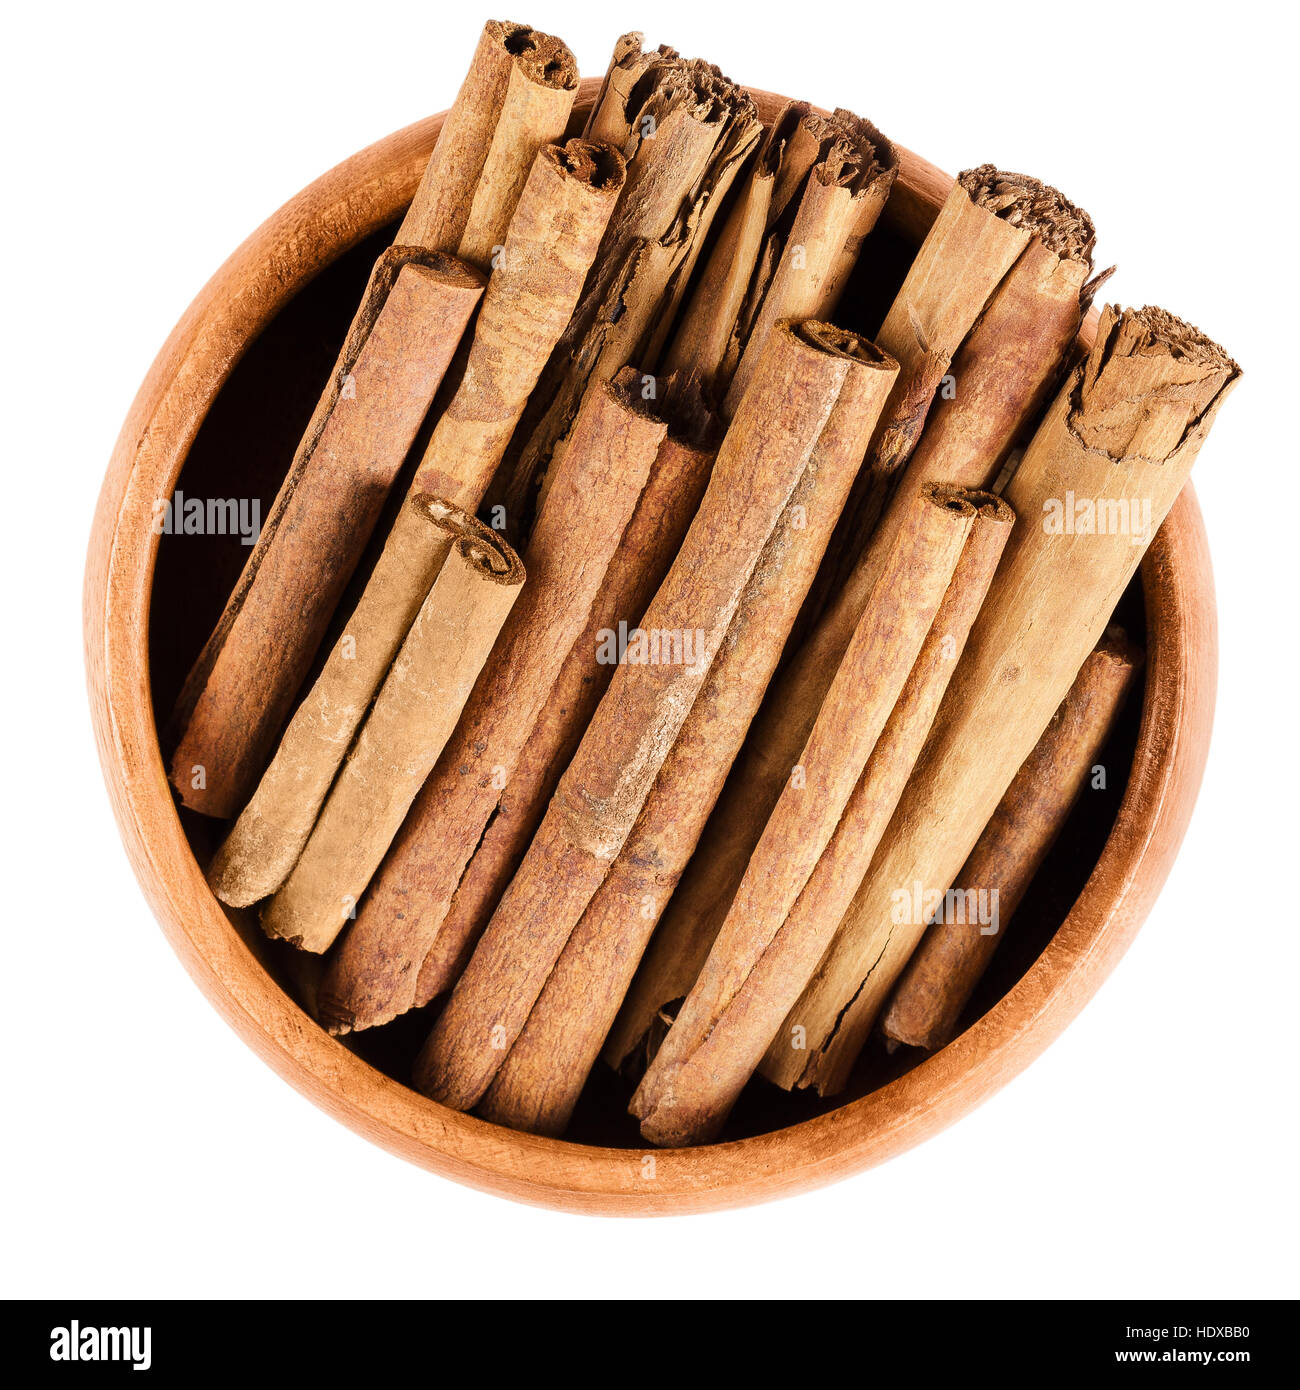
1150,1152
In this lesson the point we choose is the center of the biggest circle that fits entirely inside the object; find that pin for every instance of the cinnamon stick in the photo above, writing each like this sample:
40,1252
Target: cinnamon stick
552,239
1115,447
842,198
412,718
702,356
235,698
373,976
1001,378
645,552
986,223
606,785
544,1072
728,1018
997,383
515,100
685,131
952,957
1004,369
613,113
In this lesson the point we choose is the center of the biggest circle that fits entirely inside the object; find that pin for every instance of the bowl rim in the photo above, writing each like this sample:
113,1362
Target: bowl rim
329,217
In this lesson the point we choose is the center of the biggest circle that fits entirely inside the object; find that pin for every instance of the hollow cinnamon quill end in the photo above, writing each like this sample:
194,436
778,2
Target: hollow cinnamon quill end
659,81
591,162
958,500
992,509
541,58
479,545
840,342
1152,330
1043,211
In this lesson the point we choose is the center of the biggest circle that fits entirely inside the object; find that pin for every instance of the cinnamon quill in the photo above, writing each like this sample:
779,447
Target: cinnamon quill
758,965
952,957
241,687
810,256
413,716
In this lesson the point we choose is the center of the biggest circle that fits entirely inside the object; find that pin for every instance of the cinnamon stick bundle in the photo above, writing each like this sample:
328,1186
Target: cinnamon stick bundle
815,190
952,957
859,753
517,97
1099,476
544,1072
1002,376
515,100
1003,372
840,202
705,348
235,698
685,130
988,221
646,550
412,718
997,383
549,248
605,786
373,976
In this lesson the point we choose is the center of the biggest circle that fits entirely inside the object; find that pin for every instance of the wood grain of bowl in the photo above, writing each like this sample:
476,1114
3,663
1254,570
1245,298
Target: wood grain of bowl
219,415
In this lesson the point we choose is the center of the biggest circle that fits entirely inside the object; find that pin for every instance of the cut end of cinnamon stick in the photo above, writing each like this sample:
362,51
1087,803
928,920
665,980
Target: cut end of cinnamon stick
990,506
542,58
482,547
857,154
625,391
1119,649
839,342
439,267
598,165
954,499
1043,211
700,88
1151,384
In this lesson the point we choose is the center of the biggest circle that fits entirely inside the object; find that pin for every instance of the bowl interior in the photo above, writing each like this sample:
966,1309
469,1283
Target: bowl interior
242,450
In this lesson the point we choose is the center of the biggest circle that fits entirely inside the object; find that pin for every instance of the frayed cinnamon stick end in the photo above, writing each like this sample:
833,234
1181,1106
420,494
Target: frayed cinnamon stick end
1027,202
541,58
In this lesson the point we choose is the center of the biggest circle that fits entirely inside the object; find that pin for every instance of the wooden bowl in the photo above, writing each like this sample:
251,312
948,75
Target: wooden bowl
285,298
